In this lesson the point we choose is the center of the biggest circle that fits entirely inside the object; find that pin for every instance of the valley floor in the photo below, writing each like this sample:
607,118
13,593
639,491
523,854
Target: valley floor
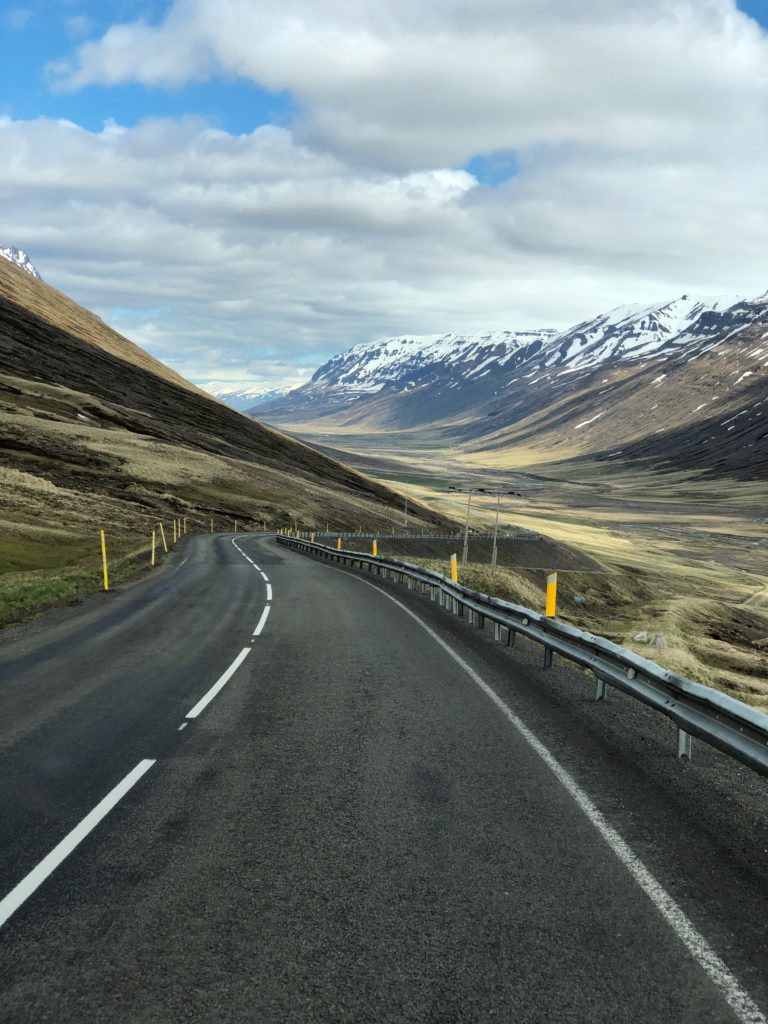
684,557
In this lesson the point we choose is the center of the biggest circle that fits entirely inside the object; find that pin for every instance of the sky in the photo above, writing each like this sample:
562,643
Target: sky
247,187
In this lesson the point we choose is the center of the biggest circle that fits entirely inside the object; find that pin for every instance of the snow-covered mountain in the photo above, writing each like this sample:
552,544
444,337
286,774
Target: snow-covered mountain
633,332
20,258
456,368
242,394
634,372
400,363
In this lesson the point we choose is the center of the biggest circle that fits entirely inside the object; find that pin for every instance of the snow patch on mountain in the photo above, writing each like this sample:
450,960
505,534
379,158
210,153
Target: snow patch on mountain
633,332
20,259
398,362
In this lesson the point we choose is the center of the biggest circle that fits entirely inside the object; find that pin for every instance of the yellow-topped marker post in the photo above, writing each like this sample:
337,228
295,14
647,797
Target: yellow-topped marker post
104,559
174,531
162,534
454,568
375,548
338,544
152,562
312,537
551,609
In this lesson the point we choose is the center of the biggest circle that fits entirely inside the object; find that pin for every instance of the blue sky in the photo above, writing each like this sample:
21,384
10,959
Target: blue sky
48,30
45,33
597,157
42,32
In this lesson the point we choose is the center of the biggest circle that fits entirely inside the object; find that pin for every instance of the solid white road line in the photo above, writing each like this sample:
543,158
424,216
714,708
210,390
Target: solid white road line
180,564
59,853
262,621
203,703
269,591
737,998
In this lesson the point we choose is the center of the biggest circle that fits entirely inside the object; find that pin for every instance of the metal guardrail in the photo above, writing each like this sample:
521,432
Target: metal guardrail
518,534
721,721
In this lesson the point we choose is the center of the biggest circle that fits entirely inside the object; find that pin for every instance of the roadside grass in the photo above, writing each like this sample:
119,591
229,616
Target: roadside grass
27,594
710,631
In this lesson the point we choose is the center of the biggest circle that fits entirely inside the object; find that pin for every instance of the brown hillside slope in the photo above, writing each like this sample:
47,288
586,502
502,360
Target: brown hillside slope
90,440
57,309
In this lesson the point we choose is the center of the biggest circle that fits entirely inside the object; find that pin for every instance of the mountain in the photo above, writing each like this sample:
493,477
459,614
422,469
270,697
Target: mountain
20,259
654,382
408,380
635,332
95,433
243,394
698,401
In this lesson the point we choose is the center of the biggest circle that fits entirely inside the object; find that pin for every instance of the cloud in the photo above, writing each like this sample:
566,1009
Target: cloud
635,130
430,83
261,253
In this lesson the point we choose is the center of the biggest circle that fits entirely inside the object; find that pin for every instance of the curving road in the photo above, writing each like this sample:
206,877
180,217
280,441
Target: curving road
352,808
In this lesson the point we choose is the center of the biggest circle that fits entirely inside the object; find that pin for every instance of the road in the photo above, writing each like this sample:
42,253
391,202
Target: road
352,808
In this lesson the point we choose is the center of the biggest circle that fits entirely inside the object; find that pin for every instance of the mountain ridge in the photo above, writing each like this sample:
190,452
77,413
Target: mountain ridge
583,378
242,394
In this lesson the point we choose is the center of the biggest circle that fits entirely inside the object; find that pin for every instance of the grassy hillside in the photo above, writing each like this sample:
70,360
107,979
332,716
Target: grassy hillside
95,434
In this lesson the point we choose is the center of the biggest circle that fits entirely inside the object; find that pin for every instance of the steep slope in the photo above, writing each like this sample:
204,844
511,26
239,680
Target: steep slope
60,311
696,402
90,440
242,395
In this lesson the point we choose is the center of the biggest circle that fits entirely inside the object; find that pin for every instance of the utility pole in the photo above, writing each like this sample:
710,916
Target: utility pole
466,532
491,494
495,551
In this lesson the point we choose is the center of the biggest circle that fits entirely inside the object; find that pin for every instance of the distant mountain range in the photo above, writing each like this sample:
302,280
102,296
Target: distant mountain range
20,258
655,381
244,393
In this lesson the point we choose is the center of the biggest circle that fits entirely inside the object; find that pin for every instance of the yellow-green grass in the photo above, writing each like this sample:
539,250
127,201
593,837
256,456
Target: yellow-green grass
25,594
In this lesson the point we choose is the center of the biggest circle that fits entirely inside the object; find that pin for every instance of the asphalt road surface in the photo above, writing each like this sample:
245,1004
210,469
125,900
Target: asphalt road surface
353,808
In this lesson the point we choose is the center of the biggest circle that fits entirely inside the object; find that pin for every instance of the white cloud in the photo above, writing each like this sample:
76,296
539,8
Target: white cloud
638,128
431,83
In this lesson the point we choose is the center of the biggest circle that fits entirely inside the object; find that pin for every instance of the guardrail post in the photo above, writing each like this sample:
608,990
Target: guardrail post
497,632
547,657
601,690
511,636
684,744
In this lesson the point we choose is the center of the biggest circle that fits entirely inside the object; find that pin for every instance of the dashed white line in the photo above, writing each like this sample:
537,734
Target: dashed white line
182,726
717,970
48,864
269,591
180,564
262,621
203,703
